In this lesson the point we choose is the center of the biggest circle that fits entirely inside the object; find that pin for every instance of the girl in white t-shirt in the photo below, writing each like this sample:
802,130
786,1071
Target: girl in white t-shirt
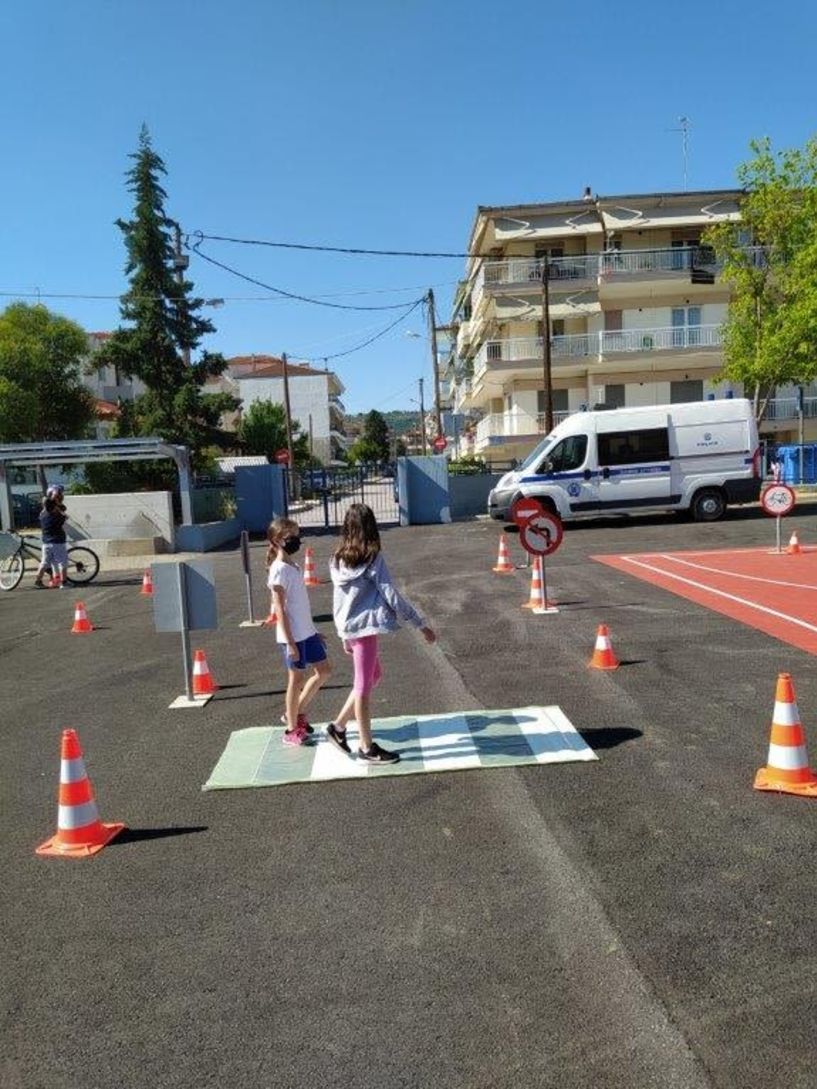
301,646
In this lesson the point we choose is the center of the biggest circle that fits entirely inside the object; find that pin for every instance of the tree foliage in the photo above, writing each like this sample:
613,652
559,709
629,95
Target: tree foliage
162,324
263,430
42,397
373,444
770,336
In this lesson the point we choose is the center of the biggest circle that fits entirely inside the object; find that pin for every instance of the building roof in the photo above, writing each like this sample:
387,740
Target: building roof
267,366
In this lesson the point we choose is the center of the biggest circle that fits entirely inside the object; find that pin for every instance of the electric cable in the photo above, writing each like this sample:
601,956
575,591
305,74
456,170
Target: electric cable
371,340
325,249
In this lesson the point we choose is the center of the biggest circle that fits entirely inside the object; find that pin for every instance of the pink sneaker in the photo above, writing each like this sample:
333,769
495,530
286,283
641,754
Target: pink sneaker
298,736
302,721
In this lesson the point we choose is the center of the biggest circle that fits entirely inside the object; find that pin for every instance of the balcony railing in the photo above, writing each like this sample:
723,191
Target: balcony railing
518,270
675,259
786,408
513,424
580,345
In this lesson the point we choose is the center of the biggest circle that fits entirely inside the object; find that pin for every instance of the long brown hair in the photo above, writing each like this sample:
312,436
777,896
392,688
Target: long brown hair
278,528
359,538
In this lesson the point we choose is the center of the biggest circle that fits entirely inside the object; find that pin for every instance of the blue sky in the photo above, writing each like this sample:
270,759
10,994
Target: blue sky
367,123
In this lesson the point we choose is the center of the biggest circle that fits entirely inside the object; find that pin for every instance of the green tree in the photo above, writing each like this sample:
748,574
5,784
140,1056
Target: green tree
263,430
770,336
163,327
42,397
375,438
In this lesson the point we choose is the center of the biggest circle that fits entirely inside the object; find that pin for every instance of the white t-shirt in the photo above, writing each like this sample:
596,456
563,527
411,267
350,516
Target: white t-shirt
288,576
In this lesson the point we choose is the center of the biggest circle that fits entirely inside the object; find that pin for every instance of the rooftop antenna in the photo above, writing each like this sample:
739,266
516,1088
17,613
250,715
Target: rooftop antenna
684,125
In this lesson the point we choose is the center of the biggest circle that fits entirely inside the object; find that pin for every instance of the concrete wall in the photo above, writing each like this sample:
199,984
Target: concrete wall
468,495
120,516
207,536
423,490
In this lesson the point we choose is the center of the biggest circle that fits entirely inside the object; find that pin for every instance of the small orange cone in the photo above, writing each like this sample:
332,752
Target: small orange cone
794,544
79,830
147,583
81,622
503,559
310,578
203,683
603,656
537,593
787,767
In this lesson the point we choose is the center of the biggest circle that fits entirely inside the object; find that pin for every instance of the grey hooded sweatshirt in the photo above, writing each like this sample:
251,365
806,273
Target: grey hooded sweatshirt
366,601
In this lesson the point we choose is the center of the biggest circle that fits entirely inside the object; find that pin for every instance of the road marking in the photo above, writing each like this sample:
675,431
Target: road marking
737,574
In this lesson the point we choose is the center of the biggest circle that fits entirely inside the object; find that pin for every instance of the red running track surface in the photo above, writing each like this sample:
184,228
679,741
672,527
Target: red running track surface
775,593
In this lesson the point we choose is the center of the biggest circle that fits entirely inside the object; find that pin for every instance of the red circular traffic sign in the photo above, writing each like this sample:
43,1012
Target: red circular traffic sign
541,534
440,443
777,500
524,508
282,457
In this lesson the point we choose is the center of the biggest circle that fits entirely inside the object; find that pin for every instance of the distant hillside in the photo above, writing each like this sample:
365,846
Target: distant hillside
400,421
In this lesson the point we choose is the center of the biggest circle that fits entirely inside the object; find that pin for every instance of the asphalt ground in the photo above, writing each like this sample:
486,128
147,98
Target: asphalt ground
647,920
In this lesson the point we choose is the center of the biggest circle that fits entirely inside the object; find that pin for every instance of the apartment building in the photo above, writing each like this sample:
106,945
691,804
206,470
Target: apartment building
635,307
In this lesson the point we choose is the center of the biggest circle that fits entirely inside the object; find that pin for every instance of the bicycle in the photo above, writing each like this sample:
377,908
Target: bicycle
82,566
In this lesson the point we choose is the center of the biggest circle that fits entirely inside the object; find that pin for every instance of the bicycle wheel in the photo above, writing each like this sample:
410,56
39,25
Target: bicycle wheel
11,571
83,565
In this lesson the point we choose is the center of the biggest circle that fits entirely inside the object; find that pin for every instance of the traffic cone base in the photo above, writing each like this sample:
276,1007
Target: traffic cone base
310,577
82,625
80,832
203,683
794,548
603,656
787,770
503,564
147,584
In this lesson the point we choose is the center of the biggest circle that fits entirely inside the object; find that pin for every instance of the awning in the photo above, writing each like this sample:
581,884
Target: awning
514,308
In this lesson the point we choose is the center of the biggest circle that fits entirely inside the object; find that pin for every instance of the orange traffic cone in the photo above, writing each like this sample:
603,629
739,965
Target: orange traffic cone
147,583
787,767
310,578
503,559
603,656
794,544
537,593
203,683
79,829
81,622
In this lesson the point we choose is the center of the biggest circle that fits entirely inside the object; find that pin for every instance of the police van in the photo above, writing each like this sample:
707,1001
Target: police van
699,456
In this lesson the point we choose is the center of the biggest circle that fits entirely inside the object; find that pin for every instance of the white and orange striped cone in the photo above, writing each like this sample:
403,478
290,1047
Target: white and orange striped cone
147,583
503,564
82,625
310,576
537,590
79,830
603,656
794,548
787,769
203,683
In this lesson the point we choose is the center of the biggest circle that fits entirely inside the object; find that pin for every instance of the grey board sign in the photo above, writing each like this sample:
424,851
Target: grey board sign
184,595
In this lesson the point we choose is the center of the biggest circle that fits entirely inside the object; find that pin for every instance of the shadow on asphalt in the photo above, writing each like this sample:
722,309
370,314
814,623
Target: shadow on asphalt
134,835
271,692
610,736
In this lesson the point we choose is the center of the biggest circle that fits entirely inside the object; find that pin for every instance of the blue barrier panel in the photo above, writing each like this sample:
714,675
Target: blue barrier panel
422,484
260,494
790,460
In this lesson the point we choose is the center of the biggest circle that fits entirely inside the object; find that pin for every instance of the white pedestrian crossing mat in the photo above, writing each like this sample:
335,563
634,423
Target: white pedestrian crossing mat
466,740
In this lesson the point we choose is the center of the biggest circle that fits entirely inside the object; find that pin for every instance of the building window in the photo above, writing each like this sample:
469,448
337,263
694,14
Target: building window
614,396
613,321
686,326
682,392
559,401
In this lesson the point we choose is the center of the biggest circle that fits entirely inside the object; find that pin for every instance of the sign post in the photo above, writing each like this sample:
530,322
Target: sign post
540,535
250,622
184,599
777,500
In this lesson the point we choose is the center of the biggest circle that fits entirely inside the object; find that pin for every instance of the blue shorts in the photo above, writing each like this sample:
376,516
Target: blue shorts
310,651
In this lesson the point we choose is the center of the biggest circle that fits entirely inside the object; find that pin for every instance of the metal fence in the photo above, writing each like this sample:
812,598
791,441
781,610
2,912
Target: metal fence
319,498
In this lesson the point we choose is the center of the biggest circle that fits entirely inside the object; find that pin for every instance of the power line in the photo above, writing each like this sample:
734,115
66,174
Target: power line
325,249
291,294
371,340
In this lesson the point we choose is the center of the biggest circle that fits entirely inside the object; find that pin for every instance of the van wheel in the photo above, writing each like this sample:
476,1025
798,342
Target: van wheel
708,505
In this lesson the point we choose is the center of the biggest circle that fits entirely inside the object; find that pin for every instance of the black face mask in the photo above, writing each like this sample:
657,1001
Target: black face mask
291,545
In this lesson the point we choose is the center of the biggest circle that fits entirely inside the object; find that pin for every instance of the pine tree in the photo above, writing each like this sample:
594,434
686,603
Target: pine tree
163,323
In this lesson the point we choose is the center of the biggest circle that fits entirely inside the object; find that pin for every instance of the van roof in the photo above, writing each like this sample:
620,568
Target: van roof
726,408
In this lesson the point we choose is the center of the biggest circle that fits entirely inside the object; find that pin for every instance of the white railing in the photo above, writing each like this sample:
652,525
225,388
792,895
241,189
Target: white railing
675,259
520,270
667,338
514,423
515,349
786,408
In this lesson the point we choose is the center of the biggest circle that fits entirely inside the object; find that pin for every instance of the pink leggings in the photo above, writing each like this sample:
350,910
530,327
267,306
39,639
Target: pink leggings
367,664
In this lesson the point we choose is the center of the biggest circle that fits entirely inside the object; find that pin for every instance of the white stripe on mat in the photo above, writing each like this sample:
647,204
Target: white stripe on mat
543,733
331,763
447,743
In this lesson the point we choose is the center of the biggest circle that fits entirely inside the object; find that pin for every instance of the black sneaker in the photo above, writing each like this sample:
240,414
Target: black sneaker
376,755
338,738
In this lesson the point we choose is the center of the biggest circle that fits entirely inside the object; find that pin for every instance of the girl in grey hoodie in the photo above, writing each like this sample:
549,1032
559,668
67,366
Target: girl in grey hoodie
366,604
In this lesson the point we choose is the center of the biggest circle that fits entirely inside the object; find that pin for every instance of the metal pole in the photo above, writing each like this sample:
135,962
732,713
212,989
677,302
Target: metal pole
546,343
800,428
288,414
777,521
245,556
188,669
435,367
180,263
543,577
422,419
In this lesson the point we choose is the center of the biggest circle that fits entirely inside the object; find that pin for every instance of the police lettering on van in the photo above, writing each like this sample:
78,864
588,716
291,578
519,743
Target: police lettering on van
700,456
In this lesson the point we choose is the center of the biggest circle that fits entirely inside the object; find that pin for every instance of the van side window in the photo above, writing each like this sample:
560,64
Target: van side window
632,447
567,455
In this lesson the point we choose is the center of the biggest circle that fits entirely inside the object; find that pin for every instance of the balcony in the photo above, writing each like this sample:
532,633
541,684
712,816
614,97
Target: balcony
662,339
525,349
527,271
336,403
501,427
787,408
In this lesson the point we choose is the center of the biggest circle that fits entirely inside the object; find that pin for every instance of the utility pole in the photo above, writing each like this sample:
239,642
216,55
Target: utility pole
546,343
288,414
180,263
422,418
432,325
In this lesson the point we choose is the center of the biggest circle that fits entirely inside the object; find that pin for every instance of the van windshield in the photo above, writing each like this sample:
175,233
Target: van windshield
535,456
